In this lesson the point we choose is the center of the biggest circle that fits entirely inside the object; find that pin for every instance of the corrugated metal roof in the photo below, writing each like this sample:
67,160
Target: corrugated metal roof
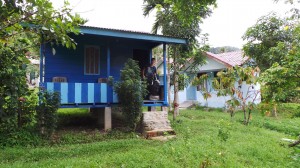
134,34
122,30
235,58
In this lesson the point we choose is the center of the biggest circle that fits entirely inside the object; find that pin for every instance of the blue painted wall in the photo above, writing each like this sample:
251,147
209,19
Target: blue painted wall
69,63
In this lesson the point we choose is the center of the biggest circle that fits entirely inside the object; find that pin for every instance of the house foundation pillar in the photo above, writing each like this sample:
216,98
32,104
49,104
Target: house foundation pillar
103,115
107,118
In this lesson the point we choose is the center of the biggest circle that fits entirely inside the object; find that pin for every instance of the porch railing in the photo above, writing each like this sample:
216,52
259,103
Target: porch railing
88,94
79,93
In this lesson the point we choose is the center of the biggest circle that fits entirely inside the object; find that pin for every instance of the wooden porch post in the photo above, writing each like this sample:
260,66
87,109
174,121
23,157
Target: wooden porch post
165,74
41,62
108,74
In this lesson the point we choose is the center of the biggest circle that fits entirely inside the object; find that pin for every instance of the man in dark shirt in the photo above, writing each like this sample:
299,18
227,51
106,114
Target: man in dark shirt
150,75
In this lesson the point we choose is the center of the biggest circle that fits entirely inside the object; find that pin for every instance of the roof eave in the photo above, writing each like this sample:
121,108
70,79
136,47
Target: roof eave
132,35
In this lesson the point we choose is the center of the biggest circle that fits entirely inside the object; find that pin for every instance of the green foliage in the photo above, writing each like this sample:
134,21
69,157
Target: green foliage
182,81
46,112
17,127
26,21
26,110
281,81
273,43
264,38
131,91
196,143
225,84
17,114
224,130
181,19
202,81
286,110
22,138
12,87
24,26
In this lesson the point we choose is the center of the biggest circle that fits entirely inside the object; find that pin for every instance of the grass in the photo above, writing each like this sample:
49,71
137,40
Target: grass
208,139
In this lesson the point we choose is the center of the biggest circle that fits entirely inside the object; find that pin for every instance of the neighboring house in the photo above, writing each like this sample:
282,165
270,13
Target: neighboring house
32,74
214,63
80,75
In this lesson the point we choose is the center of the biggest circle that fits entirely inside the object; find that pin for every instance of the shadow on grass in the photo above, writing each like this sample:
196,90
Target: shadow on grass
81,126
76,118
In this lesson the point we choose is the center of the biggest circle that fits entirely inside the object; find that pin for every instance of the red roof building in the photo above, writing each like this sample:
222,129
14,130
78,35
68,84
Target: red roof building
235,58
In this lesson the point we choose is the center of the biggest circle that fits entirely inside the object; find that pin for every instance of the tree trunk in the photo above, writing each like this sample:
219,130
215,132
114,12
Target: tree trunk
245,115
169,93
176,104
274,111
249,116
19,115
19,119
169,88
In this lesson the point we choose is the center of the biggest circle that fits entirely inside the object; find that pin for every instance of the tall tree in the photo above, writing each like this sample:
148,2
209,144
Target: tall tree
273,42
265,36
180,18
25,25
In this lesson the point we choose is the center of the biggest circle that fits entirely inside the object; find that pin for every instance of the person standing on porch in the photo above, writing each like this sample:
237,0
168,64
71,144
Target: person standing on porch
150,75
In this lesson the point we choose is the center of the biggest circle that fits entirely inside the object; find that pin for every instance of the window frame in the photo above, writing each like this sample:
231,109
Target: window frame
85,59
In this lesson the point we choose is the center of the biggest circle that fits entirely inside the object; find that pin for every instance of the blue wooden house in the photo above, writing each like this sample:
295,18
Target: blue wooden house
80,75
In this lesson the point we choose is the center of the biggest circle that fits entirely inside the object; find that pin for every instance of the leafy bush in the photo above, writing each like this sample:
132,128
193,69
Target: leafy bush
22,137
12,87
27,110
46,112
289,110
131,91
17,121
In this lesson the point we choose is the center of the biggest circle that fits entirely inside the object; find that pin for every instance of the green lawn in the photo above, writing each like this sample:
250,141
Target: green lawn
209,139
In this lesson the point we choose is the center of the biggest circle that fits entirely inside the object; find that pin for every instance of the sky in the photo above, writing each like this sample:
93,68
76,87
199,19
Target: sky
225,27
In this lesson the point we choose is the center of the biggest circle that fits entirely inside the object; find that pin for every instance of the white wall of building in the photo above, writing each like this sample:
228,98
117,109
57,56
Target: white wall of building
211,66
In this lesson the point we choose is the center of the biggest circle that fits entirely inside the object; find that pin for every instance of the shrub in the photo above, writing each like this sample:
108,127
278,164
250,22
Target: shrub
289,110
46,112
21,137
12,86
17,121
27,109
131,91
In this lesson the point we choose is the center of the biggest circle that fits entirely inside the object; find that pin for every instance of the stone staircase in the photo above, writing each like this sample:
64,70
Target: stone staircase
157,126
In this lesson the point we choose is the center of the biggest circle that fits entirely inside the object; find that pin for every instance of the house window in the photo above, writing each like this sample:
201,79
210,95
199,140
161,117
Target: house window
91,60
203,86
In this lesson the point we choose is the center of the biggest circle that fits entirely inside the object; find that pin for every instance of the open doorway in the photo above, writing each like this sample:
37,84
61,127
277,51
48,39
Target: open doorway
142,56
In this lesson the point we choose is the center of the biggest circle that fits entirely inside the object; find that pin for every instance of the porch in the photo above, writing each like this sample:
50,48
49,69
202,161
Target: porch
89,95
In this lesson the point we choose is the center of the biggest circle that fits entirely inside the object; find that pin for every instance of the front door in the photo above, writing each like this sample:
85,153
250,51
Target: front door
191,92
143,58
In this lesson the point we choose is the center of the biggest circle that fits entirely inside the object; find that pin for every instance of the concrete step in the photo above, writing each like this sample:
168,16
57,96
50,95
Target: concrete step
158,132
163,138
156,124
